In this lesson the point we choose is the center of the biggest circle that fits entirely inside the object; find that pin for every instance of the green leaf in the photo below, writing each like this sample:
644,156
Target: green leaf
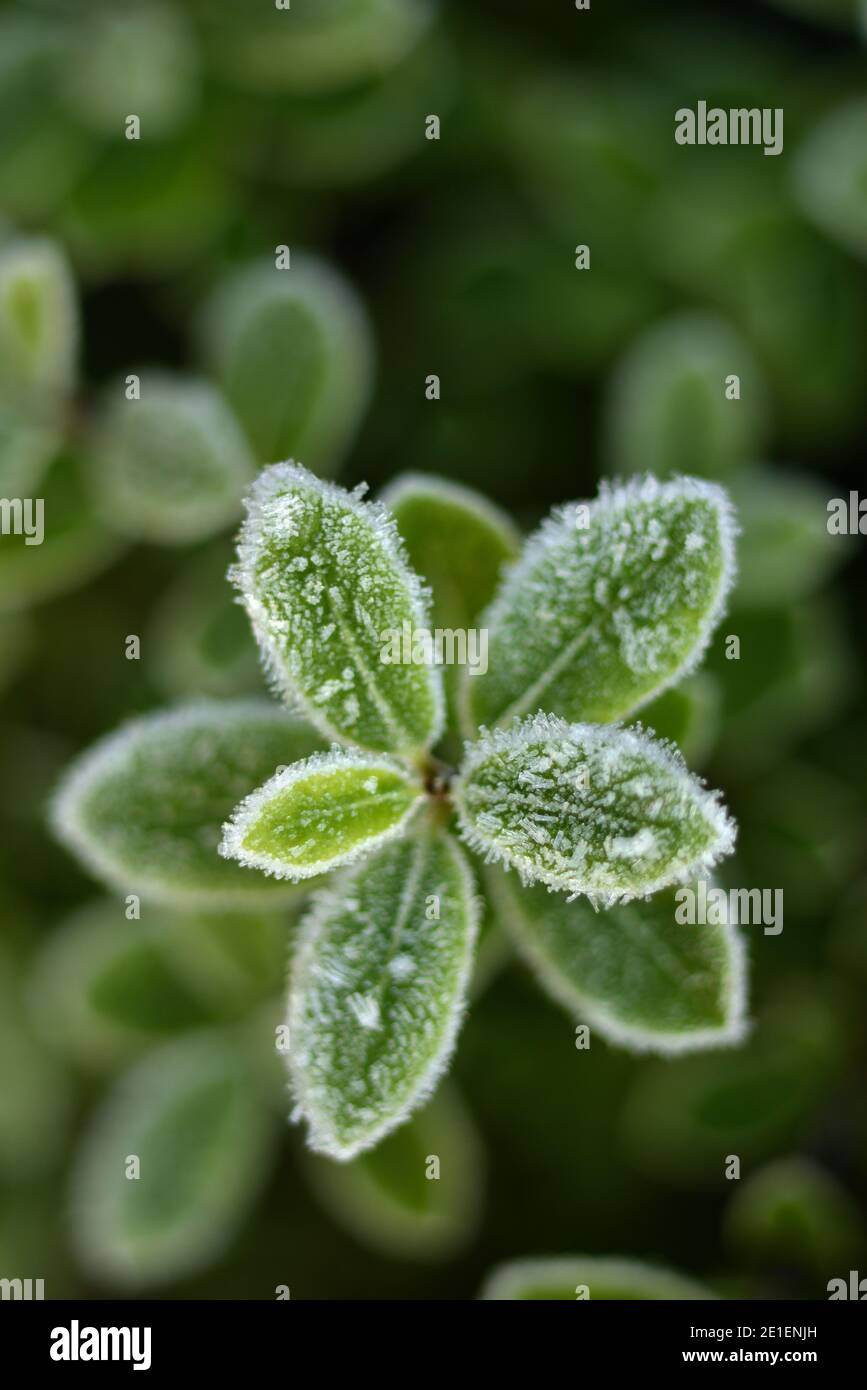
687,715
190,1116
16,644
609,812
828,175
320,813
26,449
634,973
325,582
172,466
667,411
144,808
38,325
140,60
793,1212
293,352
104,988
199,639
378,991
319,48
785,551
579,1277
392,1200
459,543
683,1116
75,547
609,603
35,1094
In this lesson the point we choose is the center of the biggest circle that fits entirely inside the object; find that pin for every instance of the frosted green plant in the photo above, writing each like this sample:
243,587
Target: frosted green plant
571,1277
606,607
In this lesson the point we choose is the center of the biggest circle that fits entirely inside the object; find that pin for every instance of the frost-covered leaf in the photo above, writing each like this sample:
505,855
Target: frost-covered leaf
76,545
829,172
202,1138
26,449
609,812
322,812
293,352
317,48
634,972
103,988
144,808
325,583
668,411
459,543
609,604
580,1277
393,1199
38,325
378,991
172,466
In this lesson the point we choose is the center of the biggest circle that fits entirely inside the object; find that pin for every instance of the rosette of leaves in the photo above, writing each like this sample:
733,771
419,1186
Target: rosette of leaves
608,605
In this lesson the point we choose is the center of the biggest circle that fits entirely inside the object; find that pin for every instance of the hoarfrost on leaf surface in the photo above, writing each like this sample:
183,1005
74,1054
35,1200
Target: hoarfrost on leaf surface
634,973
609,812
322,812
144,808
369,1038
323,577
610,603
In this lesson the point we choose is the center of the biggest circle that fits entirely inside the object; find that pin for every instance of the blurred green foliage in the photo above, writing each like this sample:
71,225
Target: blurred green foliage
454,257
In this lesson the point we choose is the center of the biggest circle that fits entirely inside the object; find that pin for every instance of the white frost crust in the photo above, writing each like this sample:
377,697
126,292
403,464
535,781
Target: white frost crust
336,760
554,730
320,1136
105,756
633,1039
507,1280
273,481
616,497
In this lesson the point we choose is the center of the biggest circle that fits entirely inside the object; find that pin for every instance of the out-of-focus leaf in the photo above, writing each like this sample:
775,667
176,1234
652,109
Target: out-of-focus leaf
322,812
293,352
144,808
356,137
139,60
785,551
685,1118
793,668
460,544
147,206
202,1139
76,544
173,465
687,715
16,643
325,582
633,972
607,812
829,176
668,410
312,47
378,991
579,1277
794,1212
200,641
26,449
416,1195
34,1092
610,603
103,988
38,325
